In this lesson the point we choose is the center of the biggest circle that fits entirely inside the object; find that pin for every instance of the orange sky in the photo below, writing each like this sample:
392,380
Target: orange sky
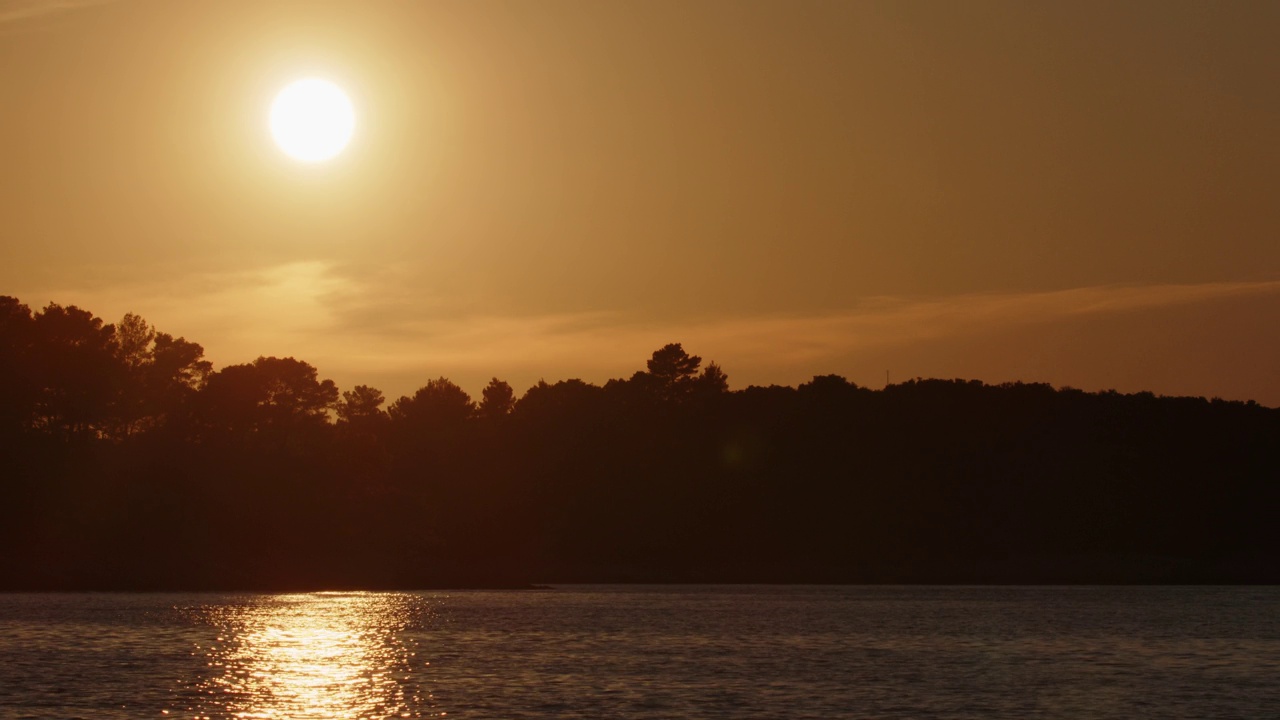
1082,193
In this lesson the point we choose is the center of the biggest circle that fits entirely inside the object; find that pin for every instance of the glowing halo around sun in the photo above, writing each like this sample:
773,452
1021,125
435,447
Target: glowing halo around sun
312,120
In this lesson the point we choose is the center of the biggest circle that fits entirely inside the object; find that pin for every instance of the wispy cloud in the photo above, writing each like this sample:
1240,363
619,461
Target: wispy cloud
271,308
886,321
17,10
604,337
356,326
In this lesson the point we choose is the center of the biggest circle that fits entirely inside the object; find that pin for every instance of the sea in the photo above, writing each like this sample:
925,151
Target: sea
647,651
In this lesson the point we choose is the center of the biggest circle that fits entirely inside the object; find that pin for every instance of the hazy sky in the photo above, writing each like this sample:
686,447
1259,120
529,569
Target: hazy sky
1080,193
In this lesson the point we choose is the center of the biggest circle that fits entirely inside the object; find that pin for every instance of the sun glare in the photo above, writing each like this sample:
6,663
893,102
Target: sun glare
312,120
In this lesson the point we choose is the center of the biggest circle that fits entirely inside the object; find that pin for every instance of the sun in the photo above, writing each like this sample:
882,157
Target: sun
312,120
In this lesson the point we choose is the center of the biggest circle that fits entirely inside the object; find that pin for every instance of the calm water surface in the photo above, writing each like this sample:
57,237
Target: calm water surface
647,652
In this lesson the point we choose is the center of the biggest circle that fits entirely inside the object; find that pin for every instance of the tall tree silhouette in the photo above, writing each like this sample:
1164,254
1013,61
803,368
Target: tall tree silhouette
19,388
438,405
361,405
77,371
712,381
497,400
671,365
160,375
671,373
269,395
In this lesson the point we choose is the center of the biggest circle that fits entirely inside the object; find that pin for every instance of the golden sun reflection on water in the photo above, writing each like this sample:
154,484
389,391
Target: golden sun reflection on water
321,655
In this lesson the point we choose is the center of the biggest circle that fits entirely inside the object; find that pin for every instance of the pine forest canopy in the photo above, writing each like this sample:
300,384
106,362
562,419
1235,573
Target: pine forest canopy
130,463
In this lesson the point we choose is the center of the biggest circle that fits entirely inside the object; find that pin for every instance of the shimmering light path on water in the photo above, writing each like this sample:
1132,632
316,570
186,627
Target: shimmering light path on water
327,655
647,652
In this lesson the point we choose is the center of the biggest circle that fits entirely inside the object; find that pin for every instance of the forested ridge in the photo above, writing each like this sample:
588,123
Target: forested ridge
128,462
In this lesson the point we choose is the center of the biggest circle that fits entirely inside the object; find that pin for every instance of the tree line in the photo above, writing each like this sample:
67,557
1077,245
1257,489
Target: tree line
128,462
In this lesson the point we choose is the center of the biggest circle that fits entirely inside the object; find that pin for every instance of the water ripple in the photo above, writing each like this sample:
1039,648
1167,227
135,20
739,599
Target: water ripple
647,652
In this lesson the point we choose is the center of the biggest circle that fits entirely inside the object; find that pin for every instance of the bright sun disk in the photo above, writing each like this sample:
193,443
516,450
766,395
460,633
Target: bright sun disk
312,120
